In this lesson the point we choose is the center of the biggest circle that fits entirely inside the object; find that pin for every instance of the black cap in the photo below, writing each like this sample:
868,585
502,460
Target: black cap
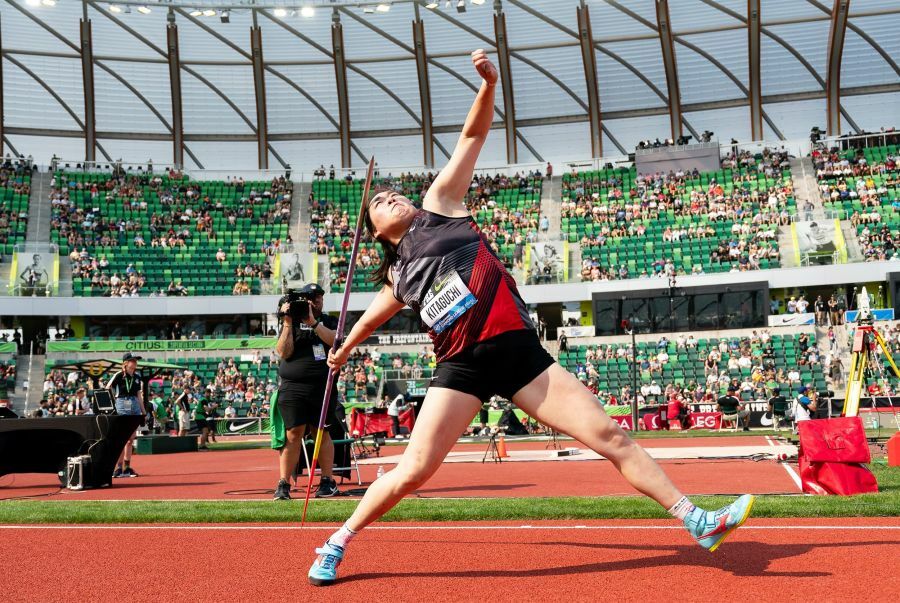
129,356
311,290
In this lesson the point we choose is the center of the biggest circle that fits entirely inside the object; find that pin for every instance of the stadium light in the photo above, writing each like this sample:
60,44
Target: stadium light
196,13
33,2
432,5
225,16
307,11
478,2
115,8
144,10
461,6
383,7
280,13
368,9
48,2
209,13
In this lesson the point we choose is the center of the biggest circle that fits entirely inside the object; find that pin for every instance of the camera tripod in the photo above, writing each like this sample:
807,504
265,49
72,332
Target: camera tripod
492,452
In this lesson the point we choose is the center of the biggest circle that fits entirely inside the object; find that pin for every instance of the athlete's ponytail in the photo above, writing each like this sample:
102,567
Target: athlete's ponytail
389,255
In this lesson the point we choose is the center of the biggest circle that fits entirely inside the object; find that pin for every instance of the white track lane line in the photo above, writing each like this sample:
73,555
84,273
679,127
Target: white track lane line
425,528
790,470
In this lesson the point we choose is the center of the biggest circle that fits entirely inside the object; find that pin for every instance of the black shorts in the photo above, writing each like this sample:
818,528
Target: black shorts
201,423
301,403
501,365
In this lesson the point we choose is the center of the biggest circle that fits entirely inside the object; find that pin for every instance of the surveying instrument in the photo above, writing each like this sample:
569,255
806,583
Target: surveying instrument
864,357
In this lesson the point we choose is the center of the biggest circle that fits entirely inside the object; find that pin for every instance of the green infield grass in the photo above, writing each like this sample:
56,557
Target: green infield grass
43,510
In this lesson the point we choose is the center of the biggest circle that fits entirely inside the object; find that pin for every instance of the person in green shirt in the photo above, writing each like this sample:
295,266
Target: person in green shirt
199,412
160,413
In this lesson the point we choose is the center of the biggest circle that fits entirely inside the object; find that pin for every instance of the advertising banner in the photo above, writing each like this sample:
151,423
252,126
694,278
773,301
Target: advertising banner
883,314
7,347
706,420
570,332
792,320
245,425
171,345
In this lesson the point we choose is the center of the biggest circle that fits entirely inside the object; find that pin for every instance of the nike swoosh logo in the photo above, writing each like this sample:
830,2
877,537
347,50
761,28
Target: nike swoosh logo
721,527
236,427
766,420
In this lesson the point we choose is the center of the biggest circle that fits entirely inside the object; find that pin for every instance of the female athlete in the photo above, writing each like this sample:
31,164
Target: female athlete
437,262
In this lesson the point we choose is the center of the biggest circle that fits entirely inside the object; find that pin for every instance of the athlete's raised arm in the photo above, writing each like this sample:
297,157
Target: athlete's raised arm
449,189
382,308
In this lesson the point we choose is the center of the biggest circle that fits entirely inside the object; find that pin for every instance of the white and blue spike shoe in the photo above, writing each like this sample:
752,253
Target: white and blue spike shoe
324,569
711,528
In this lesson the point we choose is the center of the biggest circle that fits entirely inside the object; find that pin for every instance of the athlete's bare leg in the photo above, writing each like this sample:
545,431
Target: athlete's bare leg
444,416
556,398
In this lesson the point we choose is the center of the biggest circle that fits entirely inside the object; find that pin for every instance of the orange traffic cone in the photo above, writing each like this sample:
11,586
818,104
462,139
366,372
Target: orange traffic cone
501,447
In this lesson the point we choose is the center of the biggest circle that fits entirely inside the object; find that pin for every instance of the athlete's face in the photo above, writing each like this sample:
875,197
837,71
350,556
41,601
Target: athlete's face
391,214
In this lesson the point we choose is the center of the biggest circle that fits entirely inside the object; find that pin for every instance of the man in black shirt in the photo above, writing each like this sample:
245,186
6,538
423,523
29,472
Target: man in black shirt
821,312
732,409
303,346
778,407
127,388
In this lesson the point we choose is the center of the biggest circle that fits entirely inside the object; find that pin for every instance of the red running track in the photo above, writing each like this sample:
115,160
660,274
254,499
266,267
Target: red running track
766,560
253,474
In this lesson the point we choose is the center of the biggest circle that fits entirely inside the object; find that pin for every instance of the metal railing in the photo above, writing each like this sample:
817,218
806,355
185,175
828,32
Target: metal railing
393,374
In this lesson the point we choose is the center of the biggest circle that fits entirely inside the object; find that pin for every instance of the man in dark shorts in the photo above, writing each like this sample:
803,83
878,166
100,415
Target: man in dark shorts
199,411
303,346
732,409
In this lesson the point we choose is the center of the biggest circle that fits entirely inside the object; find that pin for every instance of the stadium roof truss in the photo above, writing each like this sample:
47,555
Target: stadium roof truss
581,77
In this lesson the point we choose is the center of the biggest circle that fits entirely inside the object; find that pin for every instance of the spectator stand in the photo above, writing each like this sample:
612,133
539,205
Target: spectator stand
15,191
165,234
863,186
506,208
631,226
7,371
240,385
697,371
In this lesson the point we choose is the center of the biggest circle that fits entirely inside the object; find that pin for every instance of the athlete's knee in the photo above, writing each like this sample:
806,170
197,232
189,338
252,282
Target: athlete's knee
615,441
411,476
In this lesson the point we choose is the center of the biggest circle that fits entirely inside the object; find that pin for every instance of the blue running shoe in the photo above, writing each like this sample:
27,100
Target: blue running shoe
711,528
324,569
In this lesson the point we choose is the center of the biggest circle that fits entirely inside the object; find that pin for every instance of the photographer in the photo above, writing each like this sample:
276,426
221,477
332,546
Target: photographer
303,345
804,405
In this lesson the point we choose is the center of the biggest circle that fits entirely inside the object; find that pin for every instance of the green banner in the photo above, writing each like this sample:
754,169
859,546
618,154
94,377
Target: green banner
249,343
7,347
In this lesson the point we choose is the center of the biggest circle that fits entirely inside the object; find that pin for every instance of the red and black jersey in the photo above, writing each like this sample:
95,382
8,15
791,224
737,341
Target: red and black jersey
448,274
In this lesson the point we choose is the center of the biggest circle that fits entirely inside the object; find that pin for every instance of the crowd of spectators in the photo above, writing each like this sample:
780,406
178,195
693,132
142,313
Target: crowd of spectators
844,177
754,215
12,178
746,364
186,214
102,279
331,233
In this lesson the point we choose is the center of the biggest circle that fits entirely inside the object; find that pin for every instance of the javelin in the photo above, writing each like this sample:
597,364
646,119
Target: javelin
339,336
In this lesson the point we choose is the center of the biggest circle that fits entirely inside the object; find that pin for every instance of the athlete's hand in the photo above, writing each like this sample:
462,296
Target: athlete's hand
337,358
484,67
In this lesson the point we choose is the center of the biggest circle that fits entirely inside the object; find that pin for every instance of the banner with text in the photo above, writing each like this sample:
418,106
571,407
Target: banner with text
7,347
171,345
883,314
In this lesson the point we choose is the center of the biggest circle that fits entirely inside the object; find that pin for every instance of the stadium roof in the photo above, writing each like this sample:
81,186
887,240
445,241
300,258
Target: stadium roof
311,115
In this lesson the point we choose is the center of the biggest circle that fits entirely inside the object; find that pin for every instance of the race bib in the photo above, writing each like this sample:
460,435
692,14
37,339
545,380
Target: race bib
447,299
319,352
